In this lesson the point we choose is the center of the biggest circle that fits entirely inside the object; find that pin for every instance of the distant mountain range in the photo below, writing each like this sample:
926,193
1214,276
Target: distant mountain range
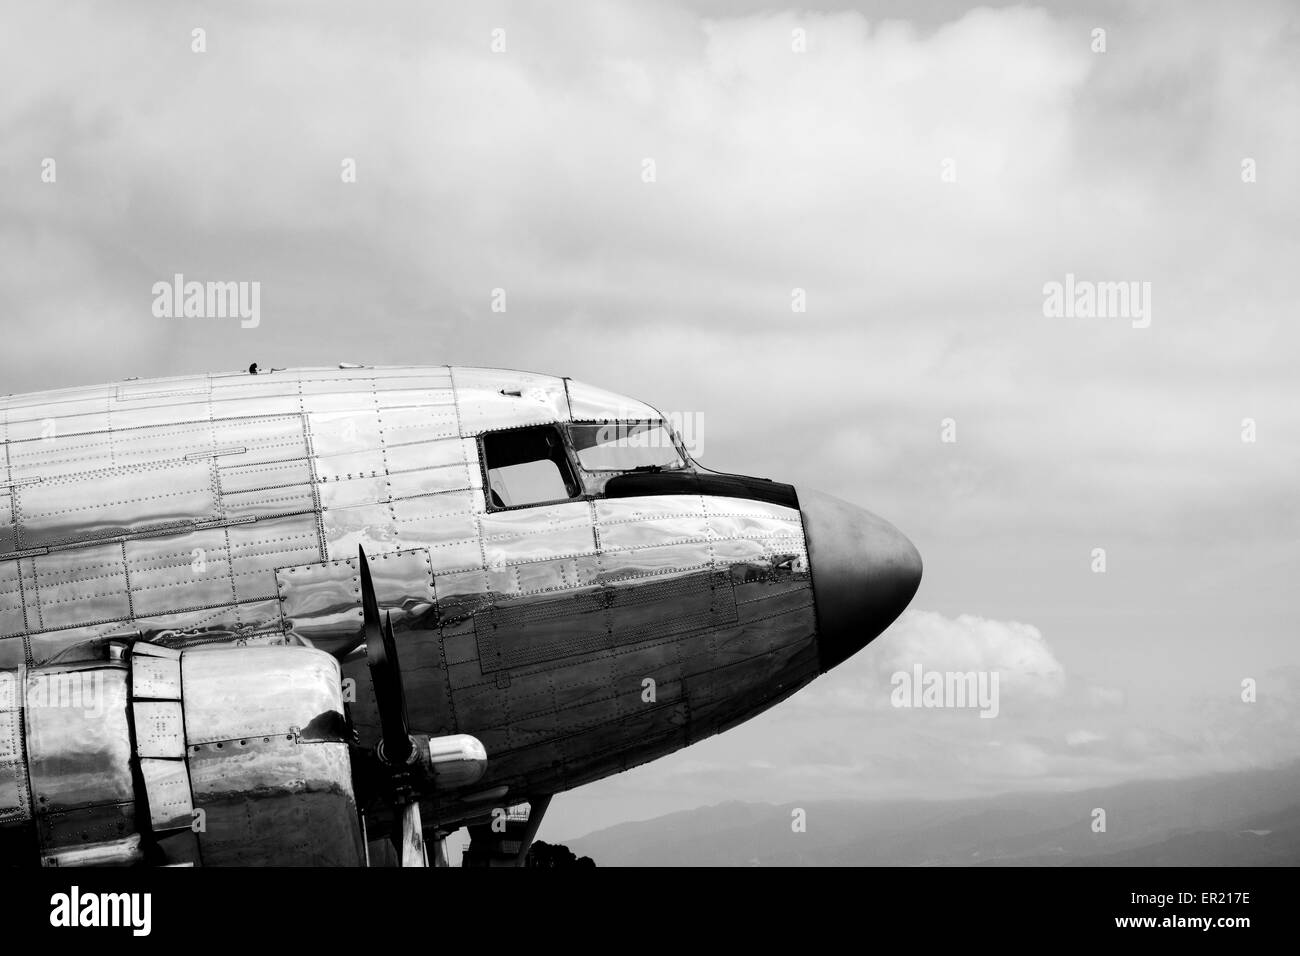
1240,819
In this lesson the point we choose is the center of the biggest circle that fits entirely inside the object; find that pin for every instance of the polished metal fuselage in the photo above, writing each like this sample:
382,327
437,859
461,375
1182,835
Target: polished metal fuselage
574,639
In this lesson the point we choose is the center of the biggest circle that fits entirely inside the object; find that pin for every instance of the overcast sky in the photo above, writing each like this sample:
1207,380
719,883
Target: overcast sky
920,180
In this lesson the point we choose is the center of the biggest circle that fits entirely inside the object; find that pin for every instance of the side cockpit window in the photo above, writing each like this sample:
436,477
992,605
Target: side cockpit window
527,466
624,446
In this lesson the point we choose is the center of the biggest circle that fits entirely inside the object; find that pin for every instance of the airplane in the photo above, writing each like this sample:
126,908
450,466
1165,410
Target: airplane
327,617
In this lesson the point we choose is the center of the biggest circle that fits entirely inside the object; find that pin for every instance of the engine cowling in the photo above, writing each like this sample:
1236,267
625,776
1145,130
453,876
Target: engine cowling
228,757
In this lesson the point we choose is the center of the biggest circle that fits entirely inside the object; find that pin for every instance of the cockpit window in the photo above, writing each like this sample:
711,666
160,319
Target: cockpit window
624,446
527,466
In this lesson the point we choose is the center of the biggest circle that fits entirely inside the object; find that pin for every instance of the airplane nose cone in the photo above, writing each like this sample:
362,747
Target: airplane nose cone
864,573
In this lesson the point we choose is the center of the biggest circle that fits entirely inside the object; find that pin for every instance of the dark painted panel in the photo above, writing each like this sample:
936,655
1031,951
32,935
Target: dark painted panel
639,484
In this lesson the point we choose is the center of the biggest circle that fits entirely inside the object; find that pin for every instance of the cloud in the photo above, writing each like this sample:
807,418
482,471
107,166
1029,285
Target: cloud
1026,666
1016,651
1082,738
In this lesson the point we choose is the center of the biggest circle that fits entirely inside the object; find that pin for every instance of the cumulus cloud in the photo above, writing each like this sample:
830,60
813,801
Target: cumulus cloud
1026,666
969,643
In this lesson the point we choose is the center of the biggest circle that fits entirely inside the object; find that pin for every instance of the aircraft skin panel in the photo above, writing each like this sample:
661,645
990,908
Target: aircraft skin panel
708,597
488,399
13,617
324,461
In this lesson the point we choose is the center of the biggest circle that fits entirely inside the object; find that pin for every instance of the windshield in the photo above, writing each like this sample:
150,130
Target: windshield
624,446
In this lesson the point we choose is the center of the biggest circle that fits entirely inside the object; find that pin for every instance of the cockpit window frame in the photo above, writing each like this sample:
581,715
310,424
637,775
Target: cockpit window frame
573,478
684,462
589,483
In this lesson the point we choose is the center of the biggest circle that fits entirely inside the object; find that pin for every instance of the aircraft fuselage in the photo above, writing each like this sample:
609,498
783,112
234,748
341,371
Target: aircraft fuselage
565,584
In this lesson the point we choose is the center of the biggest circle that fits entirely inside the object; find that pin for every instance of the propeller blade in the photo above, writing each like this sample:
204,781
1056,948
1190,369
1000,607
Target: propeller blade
369,603
385,674
410,851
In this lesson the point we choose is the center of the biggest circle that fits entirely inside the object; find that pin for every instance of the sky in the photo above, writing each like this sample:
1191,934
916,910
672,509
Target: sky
824,234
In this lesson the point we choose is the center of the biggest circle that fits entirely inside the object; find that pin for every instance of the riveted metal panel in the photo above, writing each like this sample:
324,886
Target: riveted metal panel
529,631
433,419
42,421
259,691
27,581
239,478
130,415
578,685
236,405
159,728
82,826
591,404
365,526
266,502
338,434
439,523
460,594
630,523
760,637
63,454
15,800
445,455
747,550
178,571
276,802
78,740
116,501
258,549
12,620
435,504
263,438
658,608
349,493
459,648
322,400
435,483
367,463
321,602
338,393
157,678
77,586
537,534
404,584
8,530
497,398
262,388
78,644
648,728
650,561
172,387
274,542
167,786
411,376
726,526
535,577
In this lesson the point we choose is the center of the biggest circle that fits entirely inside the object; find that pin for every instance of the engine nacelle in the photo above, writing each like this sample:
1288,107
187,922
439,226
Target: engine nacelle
208,756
